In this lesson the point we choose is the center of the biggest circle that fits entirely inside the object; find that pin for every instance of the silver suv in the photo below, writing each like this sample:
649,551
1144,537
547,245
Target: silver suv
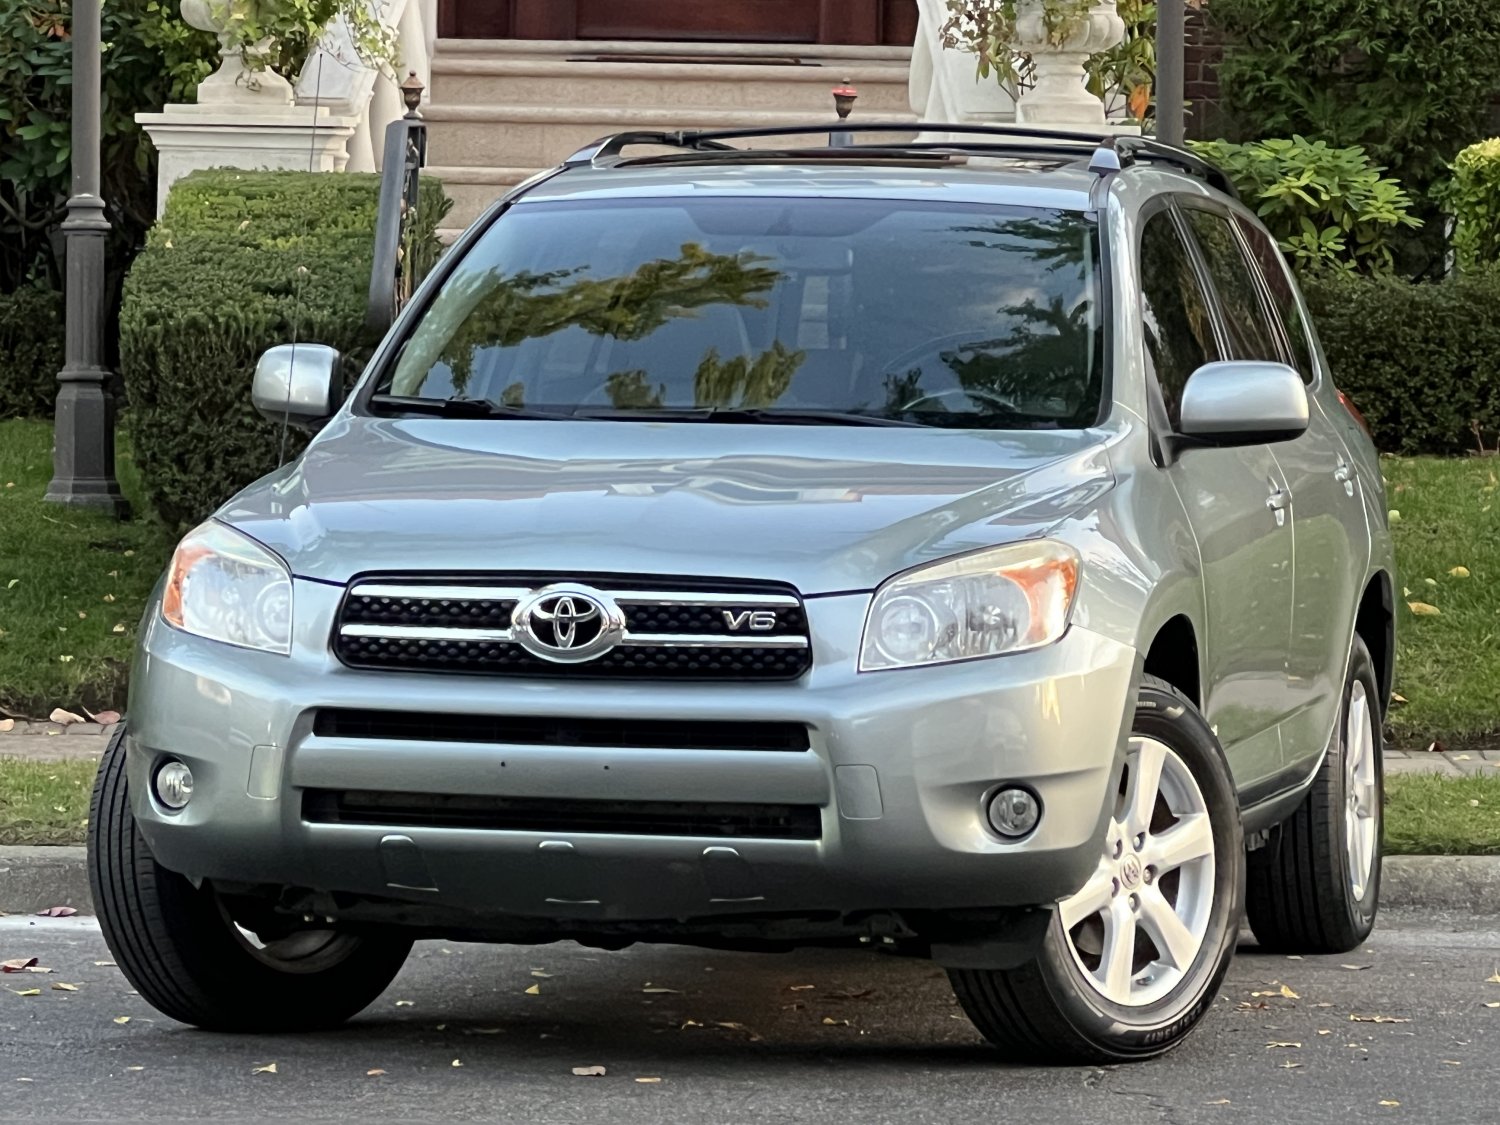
612,606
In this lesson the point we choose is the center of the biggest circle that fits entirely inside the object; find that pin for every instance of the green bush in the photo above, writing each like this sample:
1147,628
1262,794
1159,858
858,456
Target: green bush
239,262
1473,199
1421,361
31,351
1409,81
1328,207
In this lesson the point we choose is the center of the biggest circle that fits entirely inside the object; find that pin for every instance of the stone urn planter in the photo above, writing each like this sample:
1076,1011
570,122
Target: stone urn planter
234,83
1059,96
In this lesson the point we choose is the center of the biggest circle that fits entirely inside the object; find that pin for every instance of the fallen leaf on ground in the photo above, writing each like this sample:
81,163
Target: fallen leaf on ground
1397,697
1452,1062
6,725
1218,1101
1493,979
374,1073
732,1026
66,718
1355,968
1492,1004
28,992
829,1021
1278,1043
456,1062
1378,1019
1289,1065
1289,994
673,991
1424,609
405,1003
57,912
534,990
1459,572
543,974
62,986
589,1071
105,718
643,1080
1324,1031
17,964
269,1068
135,1068
1387,1101
122,1019
799,987
106,964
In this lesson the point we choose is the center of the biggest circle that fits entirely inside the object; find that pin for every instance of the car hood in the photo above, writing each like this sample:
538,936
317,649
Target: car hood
824,508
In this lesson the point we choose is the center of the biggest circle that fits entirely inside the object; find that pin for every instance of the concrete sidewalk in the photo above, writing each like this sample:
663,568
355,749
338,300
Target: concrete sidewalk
53,742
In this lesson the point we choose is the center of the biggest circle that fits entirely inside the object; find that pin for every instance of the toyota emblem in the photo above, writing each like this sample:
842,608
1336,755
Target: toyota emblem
567,623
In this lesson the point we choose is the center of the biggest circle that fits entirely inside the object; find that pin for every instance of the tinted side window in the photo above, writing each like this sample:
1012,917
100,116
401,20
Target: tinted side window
1250,333
1174,311
1283,297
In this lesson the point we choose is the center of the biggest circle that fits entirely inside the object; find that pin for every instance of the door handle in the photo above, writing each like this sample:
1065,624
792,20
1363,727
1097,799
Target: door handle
1277,502
1344,474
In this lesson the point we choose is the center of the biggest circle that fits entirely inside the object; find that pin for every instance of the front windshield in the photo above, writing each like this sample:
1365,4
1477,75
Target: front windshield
944,315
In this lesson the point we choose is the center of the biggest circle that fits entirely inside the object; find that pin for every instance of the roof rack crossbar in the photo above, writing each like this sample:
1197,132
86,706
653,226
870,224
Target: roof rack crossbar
1108,152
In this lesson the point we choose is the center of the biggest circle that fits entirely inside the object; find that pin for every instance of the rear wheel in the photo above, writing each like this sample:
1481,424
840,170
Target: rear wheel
1315,887
187,955
1134,959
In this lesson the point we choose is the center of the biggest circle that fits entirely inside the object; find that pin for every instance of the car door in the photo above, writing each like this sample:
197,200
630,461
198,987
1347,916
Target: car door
1331,540
1236,504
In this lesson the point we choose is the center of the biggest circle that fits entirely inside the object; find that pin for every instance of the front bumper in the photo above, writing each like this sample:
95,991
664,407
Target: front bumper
898,767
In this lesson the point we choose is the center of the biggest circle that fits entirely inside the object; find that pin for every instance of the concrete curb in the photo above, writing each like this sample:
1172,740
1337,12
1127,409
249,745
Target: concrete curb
33,878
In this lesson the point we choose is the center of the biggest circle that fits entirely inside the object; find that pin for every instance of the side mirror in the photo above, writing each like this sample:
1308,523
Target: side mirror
300,384
1243,403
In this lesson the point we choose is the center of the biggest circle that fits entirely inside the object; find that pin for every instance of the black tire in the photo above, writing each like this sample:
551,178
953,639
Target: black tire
1299,895
175,944
1045,1011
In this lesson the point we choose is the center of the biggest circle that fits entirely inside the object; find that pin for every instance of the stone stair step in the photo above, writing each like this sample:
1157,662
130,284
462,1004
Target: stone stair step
543,81
540,136
588,48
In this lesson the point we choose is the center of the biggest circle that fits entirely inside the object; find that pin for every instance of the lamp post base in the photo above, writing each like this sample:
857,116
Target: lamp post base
83,470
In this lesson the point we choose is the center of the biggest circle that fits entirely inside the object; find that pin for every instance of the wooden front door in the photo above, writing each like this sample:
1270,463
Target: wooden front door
891,22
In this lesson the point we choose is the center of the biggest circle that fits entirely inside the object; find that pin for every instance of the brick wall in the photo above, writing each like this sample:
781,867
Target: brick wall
1200,76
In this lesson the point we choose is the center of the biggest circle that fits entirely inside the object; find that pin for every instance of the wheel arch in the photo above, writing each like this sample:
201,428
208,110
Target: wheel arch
1173,654
1375,624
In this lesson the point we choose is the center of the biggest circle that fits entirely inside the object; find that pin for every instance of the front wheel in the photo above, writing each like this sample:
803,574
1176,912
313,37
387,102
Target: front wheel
1134,959
182,949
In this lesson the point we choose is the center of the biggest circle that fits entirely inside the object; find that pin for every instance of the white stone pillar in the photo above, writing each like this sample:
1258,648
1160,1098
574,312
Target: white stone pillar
1059,97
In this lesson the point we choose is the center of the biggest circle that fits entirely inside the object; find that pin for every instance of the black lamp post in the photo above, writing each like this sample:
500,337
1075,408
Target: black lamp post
83,461
1170,65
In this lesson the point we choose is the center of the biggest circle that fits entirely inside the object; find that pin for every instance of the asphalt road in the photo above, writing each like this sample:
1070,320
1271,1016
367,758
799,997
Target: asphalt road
742,1038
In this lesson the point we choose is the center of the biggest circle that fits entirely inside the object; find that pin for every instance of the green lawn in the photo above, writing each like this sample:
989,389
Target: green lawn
44,802
72,584
1447,663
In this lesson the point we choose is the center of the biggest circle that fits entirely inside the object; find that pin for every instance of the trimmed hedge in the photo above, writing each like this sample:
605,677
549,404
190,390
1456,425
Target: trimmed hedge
1474,200
31,351
1421,361
239,262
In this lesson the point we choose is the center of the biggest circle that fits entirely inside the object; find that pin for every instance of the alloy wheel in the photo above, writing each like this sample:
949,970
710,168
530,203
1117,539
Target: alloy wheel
1361,799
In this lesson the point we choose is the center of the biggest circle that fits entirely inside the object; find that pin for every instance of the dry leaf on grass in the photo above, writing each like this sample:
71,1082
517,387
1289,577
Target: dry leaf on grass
1459,572
589,1071
1424,609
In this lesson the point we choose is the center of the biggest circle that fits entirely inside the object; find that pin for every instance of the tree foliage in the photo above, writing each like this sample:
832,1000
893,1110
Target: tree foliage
1473,199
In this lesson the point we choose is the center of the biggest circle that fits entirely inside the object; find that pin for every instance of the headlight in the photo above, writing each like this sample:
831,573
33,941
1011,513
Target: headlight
1008,599
227,587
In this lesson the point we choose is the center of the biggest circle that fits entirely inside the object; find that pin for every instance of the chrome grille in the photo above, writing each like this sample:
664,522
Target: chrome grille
469,625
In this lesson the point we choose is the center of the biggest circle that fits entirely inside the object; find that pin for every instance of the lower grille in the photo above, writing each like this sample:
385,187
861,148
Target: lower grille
545,814
503,730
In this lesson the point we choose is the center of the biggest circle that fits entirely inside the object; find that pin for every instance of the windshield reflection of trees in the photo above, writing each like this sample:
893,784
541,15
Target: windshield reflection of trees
1040,362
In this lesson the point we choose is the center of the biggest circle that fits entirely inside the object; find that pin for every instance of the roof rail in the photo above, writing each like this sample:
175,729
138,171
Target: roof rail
1108,152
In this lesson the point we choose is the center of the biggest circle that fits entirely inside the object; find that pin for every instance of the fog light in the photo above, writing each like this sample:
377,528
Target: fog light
174,784
1014,812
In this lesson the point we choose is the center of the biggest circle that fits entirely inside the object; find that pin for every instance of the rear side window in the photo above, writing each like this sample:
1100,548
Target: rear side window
1283,296
1174,311
1246,318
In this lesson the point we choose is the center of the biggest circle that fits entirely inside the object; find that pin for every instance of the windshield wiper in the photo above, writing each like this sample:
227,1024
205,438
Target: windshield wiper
749,416
457,407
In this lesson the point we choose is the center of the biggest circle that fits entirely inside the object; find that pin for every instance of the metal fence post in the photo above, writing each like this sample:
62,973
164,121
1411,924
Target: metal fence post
1170,65
83,459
